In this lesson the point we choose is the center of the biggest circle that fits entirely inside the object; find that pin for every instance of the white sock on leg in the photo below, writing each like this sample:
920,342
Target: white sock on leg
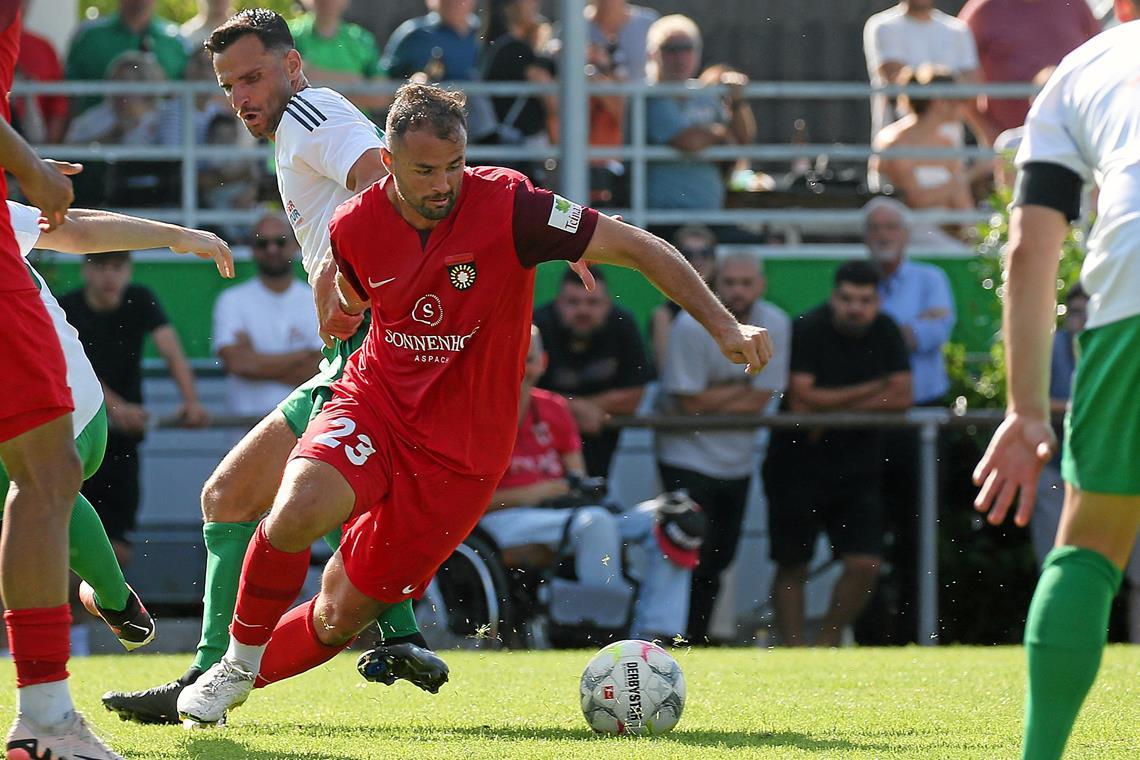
245,655
46,704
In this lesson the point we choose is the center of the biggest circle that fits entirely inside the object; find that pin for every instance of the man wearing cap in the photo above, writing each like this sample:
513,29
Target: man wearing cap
543,497
715,466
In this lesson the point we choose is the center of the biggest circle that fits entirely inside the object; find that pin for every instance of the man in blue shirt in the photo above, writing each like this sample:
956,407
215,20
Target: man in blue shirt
444,44
917,297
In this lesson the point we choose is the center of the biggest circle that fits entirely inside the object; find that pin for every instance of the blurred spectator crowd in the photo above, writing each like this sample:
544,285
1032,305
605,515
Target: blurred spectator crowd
875,343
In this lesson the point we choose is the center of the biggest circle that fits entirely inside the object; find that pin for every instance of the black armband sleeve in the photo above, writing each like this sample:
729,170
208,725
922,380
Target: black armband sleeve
1040,183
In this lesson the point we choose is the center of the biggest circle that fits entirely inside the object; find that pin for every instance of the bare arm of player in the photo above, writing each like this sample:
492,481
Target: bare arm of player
192,413
368,170
615,242
44,182
350,300
1024,442
93,231
334,320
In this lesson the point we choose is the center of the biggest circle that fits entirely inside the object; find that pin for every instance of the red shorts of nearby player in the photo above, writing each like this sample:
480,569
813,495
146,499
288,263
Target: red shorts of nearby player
32,369
410,512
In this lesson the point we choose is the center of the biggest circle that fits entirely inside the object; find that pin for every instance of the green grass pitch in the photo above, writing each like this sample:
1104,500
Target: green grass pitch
951,702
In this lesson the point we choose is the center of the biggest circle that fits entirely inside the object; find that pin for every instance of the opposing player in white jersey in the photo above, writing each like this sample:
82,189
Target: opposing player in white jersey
1084,127
326,150
104,591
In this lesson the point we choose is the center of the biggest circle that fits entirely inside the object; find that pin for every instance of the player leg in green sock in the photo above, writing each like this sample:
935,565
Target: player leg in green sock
225,551
1064,639
93,559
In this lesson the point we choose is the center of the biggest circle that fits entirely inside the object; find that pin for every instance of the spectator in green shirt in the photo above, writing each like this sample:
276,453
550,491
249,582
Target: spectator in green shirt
134,27
335,51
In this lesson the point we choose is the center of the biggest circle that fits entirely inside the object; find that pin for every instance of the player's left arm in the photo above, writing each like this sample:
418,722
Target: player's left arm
95,231
192,413
1025,441
615,242
367,170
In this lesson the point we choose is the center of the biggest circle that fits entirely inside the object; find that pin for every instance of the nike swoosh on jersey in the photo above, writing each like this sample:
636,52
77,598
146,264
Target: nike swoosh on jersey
372,284
407,589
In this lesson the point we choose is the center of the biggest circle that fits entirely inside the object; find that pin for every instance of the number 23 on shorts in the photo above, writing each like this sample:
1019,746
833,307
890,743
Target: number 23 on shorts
342,427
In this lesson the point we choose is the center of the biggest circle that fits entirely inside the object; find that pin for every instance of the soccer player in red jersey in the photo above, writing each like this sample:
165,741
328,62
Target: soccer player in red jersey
421,426
38,451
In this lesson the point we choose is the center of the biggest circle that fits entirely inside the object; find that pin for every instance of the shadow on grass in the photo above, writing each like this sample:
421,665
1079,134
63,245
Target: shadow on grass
217,747
315,735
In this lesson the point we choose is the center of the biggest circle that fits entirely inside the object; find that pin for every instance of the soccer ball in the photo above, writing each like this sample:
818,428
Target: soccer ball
632,687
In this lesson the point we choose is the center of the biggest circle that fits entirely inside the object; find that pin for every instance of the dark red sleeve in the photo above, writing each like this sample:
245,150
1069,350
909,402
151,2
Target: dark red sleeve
545,231
338,229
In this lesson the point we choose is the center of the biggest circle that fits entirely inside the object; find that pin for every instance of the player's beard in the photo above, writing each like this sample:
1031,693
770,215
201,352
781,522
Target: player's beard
434,213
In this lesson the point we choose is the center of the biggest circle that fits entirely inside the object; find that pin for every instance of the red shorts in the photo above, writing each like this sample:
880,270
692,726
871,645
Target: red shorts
410,512
32,371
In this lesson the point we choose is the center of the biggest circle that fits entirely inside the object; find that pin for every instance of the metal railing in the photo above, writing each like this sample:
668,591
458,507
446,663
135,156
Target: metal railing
638,153
928,422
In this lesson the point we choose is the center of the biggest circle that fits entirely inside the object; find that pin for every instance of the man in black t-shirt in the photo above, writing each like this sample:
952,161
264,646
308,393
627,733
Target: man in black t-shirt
597,360
113,318
846,356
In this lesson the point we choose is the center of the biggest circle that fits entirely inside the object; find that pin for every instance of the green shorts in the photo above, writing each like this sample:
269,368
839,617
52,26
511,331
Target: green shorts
306,401
1102,429
91,443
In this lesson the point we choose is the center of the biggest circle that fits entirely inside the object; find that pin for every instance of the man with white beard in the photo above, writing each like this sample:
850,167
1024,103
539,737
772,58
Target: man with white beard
917,297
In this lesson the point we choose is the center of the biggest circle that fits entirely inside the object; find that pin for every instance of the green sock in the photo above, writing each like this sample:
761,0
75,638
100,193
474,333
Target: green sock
1064,639
92,557
397,620
225,551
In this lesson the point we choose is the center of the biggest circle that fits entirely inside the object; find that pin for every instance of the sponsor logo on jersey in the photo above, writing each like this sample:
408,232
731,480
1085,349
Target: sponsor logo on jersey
430,349
428,310
293,212
565,215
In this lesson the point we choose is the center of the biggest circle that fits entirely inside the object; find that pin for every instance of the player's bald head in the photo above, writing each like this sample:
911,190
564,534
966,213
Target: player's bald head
426,107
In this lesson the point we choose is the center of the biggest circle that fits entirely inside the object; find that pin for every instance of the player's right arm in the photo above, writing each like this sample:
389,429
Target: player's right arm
615,242
94,231
44,182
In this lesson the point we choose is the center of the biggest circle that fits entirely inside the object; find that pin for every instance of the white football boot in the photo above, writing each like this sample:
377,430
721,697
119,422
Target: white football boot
70,740
224,686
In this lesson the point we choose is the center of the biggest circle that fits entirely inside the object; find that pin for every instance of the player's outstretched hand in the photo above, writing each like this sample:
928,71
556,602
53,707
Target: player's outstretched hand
207,245
49,189
1019,449
748,345
582,268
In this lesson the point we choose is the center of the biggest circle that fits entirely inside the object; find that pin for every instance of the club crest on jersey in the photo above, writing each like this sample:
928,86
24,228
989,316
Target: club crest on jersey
461,270
565,215
428,310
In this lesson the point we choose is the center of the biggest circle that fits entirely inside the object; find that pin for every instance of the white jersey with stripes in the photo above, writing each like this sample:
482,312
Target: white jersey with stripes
320,136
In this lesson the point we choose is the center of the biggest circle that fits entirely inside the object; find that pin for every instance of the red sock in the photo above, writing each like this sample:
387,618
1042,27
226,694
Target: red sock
294,647
270,582
40,642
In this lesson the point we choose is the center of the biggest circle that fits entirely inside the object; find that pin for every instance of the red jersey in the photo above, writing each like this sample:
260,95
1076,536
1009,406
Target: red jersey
444,357
546,434
13,273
